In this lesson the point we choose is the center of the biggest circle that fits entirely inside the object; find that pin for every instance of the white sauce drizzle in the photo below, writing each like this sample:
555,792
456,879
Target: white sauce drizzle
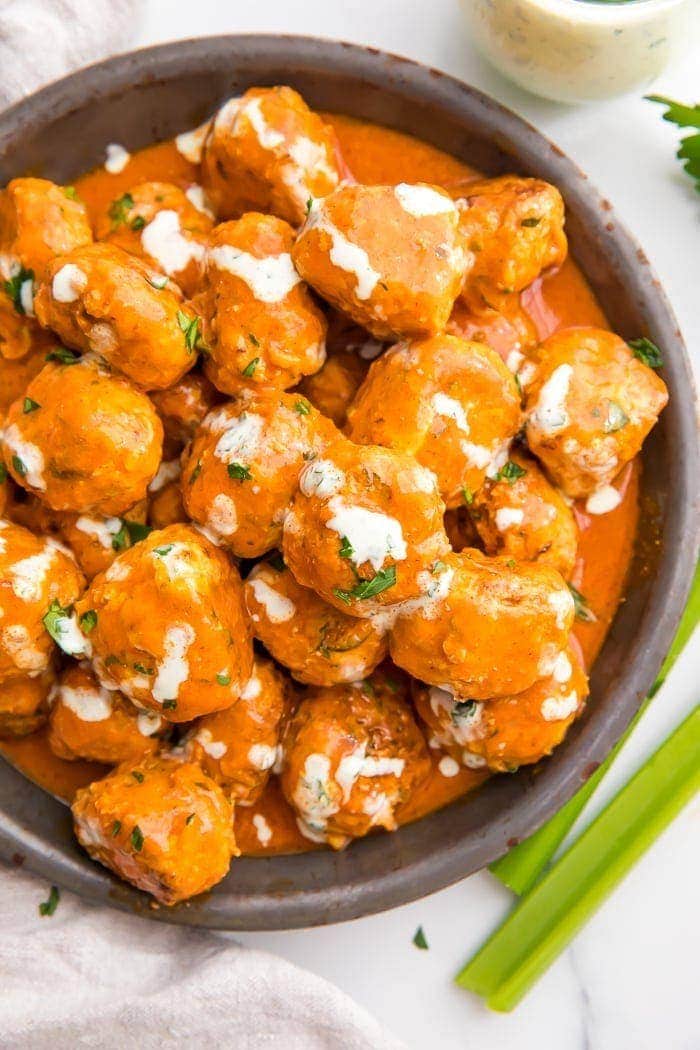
448,767
68,283
30,455
29,575
102,529
344,254
555,709
222,518
89,705
191,143
240,438
550,414
197,197
262,829
165,242
372,536
507,517
262,756
174,668
421,201
604,500
270,279
167,472
278,608
451,409
116,158
321,478
216,749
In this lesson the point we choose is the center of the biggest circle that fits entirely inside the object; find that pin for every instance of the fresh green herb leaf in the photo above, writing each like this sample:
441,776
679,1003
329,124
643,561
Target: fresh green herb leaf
254,341
120,540
196,472
249,369
19,466
142,669
49,906
346,549
63,355
511,563
137,838
169,705
137,775
13,287
684,117
71,193
384,579
116,828
239,472
190,327
534,221
582,611
419,939
467,495
57,622
119,209
29,406
615,419
309,204
88,621
302,408
162,551
647,352
223,679
510,472
138,223
137,530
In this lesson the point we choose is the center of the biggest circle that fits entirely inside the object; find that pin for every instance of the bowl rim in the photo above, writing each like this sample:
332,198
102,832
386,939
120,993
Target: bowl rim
399,884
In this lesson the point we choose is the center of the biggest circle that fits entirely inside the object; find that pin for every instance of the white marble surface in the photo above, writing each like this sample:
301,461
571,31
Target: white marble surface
629,980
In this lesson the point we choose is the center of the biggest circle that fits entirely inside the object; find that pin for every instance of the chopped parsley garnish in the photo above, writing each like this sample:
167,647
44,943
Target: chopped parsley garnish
116,828
189,818
582,611
142,669
615,419
13,287
162,551
302,408
309,205
88,621
346,548
71,193
239,472
137,530
196,472
249,369
419,939
137,775
189,326
29,406
137,838
19,466
467,495
48,907
63,355
138,223
253,339
684,117
169,705
119,209
438,567
534,221
120,539
55,620
647,352
384,579
510,472
223,679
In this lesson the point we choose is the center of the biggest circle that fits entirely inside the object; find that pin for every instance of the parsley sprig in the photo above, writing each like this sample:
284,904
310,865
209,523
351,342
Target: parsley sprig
684,117
384,579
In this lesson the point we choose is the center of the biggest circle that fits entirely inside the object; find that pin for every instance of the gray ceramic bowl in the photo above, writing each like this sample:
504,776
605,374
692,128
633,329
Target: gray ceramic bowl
153,94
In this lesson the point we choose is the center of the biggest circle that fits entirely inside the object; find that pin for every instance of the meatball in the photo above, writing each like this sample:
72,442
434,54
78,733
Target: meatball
392,257
238,747
514,229
95,542
102,299
168,626
159,222
365,528
90,722
38,221
589,407
82,439
519,514
267,151
495,627
509,732
24,703
165,506
352,755
332,389
240,473
182,408
319,644
37,579
162,824
453,405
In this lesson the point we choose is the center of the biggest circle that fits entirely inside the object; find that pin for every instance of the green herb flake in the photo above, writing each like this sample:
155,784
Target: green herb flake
647,352
684,117
511,563
120,539
63,355
138,223
119,209
309,205
29,406
19,466
239,472
48,907
137,530
438,567
162,551
189,326
534,221
253,339
88,621
346,548
302,408
582,610
249,369
54,621
223,679
13,287
190,817
196,472
137,838
467,495
137,775
616,419
384,579
419,939
116,828
142,669
71,193
169,705
510,472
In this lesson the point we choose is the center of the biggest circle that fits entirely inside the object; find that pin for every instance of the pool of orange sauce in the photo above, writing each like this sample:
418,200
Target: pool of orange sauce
376,154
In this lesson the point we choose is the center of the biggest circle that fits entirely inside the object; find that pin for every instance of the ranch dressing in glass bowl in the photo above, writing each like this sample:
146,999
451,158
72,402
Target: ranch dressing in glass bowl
580,50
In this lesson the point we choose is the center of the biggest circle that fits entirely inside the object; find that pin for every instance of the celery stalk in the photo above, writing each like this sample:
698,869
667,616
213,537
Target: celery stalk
544,922
520,868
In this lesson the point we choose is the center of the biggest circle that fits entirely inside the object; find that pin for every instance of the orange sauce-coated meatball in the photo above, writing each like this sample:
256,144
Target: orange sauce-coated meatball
161,824
496,627
95,542
34,574
24,703
160,223
183,406
165,506
453,405
82,439
100,298
352,755
365,528
391,257
521,515
90,722
319,644
238,747
332,389
240,473
589,408
268,151
168,625
262,326
511,731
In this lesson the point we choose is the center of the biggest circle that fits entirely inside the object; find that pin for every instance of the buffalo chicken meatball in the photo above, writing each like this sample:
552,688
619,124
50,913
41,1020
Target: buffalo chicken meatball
90,722
102,299
165,507
262,326
519,514
182,407
267,151
319,644
453,405
161,824
352,755
95,542
238,747
589,407
365,528
514,229
240,473
391,257
168,626
511,731
82,439
331,390
494,628
24,703
161,224
37,578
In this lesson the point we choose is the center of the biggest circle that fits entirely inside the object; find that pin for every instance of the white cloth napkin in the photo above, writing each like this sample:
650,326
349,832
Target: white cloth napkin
91,976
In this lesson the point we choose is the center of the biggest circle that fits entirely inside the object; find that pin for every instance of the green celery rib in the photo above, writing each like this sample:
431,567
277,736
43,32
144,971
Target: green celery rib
520,868
544,922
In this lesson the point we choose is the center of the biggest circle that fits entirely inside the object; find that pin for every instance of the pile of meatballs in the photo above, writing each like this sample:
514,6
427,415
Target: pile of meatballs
256,408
